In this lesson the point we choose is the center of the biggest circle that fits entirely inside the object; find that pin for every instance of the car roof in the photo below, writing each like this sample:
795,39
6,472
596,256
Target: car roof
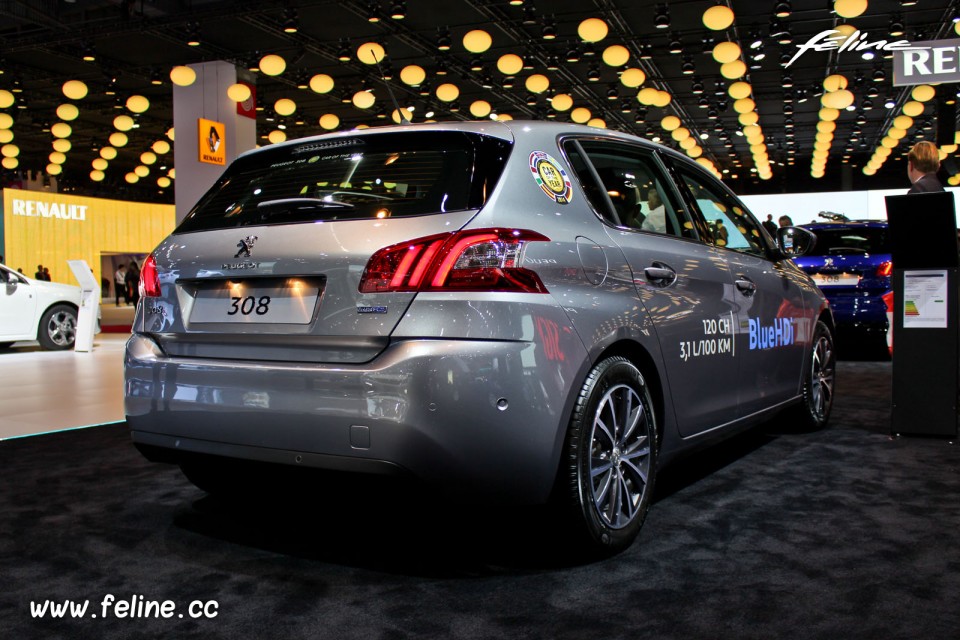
848,224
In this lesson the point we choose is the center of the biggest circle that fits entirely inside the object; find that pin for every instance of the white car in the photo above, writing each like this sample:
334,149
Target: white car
36,310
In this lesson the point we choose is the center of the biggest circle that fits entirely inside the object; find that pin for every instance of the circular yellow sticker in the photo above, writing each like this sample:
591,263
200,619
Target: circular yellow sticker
551,177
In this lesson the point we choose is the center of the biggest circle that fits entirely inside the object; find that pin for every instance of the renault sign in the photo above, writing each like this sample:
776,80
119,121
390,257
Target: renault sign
927,62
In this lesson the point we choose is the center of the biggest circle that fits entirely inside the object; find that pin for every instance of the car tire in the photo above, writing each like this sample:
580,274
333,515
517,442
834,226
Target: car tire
58,328
611,474
819,378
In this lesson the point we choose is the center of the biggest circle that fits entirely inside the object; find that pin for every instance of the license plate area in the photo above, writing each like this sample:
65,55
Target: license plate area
253,301
836,279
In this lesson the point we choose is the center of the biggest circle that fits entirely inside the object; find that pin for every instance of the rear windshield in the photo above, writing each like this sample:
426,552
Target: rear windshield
831,242
371,176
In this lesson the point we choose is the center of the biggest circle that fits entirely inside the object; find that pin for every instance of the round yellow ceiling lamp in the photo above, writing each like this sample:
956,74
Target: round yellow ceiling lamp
413,75
477,41
829,113
320,83
751,130
839,99
141,171
903,122
510,64
6,99
73,89
561,102
846,30
138,104
9,151
688,143
276,136
172,173
10,163
718,18
580,115
923,93
123,123
448,92
272,64
480,108
597,123
161,147
825,136
131,178
747,119
148,157
504,117
407,115
826,126
118,139
97,175
371,53
757,147
99,164
679,134
183,76
5,136
662,99
850,8
363,99
889,142
725,52
835,82
61,130
6,121
537,83
913,108
739,90
616,55
108,153
239,92
163,182
633,78
647,95
733,70
68,112
744,105
56,157
54,169
670,123
329,121
593,30
896,134
62,145
284,106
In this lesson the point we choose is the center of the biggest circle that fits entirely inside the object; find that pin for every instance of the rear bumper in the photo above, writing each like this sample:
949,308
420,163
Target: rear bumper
863,311
488,416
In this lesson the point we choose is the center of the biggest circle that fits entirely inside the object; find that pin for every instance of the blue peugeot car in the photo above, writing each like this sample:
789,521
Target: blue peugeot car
851,265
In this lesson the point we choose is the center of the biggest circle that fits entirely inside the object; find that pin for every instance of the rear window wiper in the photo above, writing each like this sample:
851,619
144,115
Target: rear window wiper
268,207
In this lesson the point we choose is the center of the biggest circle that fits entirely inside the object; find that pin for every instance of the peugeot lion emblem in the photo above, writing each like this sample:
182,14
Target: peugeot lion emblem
245,245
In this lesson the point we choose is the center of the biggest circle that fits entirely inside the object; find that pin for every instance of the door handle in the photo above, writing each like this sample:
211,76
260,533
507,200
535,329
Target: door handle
746,286
660,274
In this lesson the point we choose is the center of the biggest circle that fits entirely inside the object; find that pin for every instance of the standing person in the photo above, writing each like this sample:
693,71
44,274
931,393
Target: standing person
923,161
785,221
133,282
39,274
120,284
46,274
770,225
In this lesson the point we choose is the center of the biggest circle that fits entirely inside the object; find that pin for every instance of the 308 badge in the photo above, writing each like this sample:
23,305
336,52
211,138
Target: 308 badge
551,177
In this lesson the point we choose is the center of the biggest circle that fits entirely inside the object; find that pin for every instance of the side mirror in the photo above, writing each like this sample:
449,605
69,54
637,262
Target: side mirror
795,242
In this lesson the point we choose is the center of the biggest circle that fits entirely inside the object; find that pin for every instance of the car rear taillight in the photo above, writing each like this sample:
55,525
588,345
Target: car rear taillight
475,260
885,269
149,279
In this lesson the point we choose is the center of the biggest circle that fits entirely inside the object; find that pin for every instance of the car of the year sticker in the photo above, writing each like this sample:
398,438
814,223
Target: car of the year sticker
551,177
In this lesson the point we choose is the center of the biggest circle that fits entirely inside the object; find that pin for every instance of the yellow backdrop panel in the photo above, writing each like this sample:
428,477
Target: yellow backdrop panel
51,228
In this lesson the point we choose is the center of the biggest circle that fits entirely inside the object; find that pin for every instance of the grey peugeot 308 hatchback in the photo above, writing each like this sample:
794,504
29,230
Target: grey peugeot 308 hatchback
525,310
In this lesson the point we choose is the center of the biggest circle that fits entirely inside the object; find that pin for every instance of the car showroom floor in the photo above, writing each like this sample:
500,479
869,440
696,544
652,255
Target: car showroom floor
845,532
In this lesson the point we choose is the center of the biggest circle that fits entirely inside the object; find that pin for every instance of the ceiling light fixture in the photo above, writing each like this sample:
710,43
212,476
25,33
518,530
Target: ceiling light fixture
661,20
398,10
373,12
782,9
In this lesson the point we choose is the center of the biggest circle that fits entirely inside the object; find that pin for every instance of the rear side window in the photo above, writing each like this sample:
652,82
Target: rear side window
847,241
373,176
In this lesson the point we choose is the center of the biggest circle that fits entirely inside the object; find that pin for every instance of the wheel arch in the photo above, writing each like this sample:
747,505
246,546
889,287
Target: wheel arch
642,360
55,303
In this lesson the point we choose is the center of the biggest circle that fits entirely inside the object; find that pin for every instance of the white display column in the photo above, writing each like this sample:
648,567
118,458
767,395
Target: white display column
197,154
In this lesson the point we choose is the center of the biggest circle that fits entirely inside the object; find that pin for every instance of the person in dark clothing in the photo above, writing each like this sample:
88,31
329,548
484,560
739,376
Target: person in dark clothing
39,274
923,161
133,282
770,225
46,274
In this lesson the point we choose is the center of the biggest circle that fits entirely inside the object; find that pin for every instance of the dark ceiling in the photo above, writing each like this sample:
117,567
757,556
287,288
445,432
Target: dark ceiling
42,44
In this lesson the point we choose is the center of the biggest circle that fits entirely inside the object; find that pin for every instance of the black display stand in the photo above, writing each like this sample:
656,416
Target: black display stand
923,232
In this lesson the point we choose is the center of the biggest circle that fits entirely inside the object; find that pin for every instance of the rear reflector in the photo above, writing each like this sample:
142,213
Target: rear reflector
149,279
475,260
